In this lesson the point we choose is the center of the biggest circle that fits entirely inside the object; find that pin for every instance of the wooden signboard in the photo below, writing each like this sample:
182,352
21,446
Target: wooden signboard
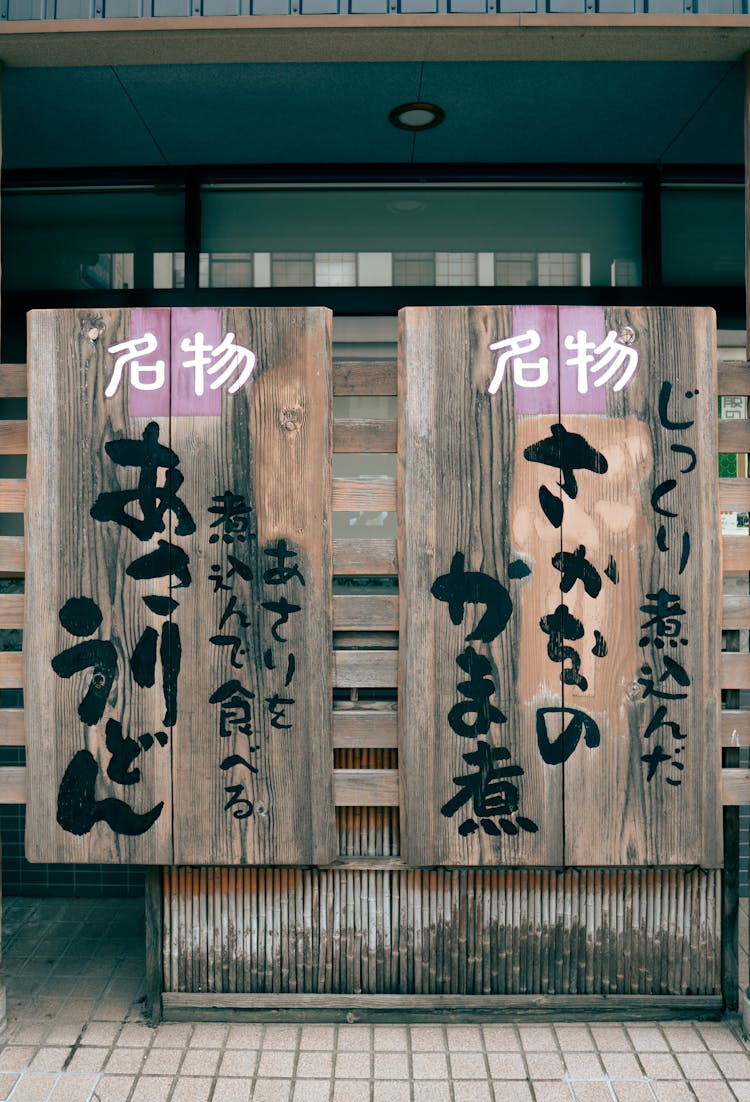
177,630
559,572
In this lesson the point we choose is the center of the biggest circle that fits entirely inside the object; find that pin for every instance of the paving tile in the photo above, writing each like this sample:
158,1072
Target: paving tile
88,1060
162,1061
133,1035
574,1038
172,1035
391,1065
719,1037
647,1039
7,1083
125,1061
192,1090
506,1065
247,1035
30,1033
545,1065
354,1038
501,1038
353,1065
712,1092
591,1092
431,1092
698,1065
660,1065
633,1092
281,1037
49,1059
74,1088
318,1037
391,1092
583,1065
741,1088
100,1034
269,1090
312,1090
34,1088
550,1090
315,1065
427,1038
151,1088
621,1065
232,1090
350,1090
538,1038
683,1038
114,1088
390,1038
512,1092
734,1065
239,1063
16,1057
209,1035
471,1091
429,1065
464,1038
200,1061
468,1065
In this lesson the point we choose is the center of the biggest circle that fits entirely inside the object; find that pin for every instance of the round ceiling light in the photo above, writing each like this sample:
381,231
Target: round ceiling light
416,116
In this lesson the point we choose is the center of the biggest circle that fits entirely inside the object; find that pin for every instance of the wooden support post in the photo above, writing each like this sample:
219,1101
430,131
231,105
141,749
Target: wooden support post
154,939
743,1001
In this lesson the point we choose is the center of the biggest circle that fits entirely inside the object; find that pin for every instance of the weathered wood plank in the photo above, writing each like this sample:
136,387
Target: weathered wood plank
365,669
735,611
362,435
11,610
74,557
735,727
369,640
12,730
735,787
11,670
270,445
13,437
734,436
734,670
365,787
364,613
465,508
12,784
11,556
357,728
361,377
366,557
734,377
12,495
735,556
355,494
734,495
13,380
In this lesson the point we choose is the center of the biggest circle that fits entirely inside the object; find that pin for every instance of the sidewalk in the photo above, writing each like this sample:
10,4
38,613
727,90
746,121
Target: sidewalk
75,979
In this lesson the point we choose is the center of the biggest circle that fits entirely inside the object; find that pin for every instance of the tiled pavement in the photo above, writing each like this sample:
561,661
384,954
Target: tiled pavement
74,972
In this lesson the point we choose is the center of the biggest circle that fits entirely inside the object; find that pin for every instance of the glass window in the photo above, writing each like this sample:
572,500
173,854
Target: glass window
539,235
92,239
703,237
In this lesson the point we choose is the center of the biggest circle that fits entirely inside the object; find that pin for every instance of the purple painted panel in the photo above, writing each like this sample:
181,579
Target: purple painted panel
578,325
151,403
186,323
537,399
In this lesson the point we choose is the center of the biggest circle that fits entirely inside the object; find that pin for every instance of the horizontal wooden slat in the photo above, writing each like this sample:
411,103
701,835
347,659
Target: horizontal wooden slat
364,435
735,611
12,731
359,729
735,556
12,495
355,377
11,610
365,787
13,437
735,727
366,557
734,436
734,378
735,787
360,669
380,640
365,613
13,381
734,495
11,670
12,784
369,495
734,671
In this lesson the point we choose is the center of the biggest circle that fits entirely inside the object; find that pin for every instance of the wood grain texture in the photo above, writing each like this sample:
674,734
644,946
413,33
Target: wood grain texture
734,378
12,495
361,377
735,727
735,611
12,559
359,435
11,610
365,669
12,670
12,728
356,557
734,436
360,728
615,815
353,494
734,495
734,670
365,787
459,469
13,380
735,557
13,439
272,444
71,555
360,613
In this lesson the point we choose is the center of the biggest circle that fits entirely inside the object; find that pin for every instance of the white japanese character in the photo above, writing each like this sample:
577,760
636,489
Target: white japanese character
132,352
515,348
609,357
225,357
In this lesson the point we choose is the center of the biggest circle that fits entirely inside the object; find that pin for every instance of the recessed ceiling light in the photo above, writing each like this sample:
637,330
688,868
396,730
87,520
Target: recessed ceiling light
416,116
